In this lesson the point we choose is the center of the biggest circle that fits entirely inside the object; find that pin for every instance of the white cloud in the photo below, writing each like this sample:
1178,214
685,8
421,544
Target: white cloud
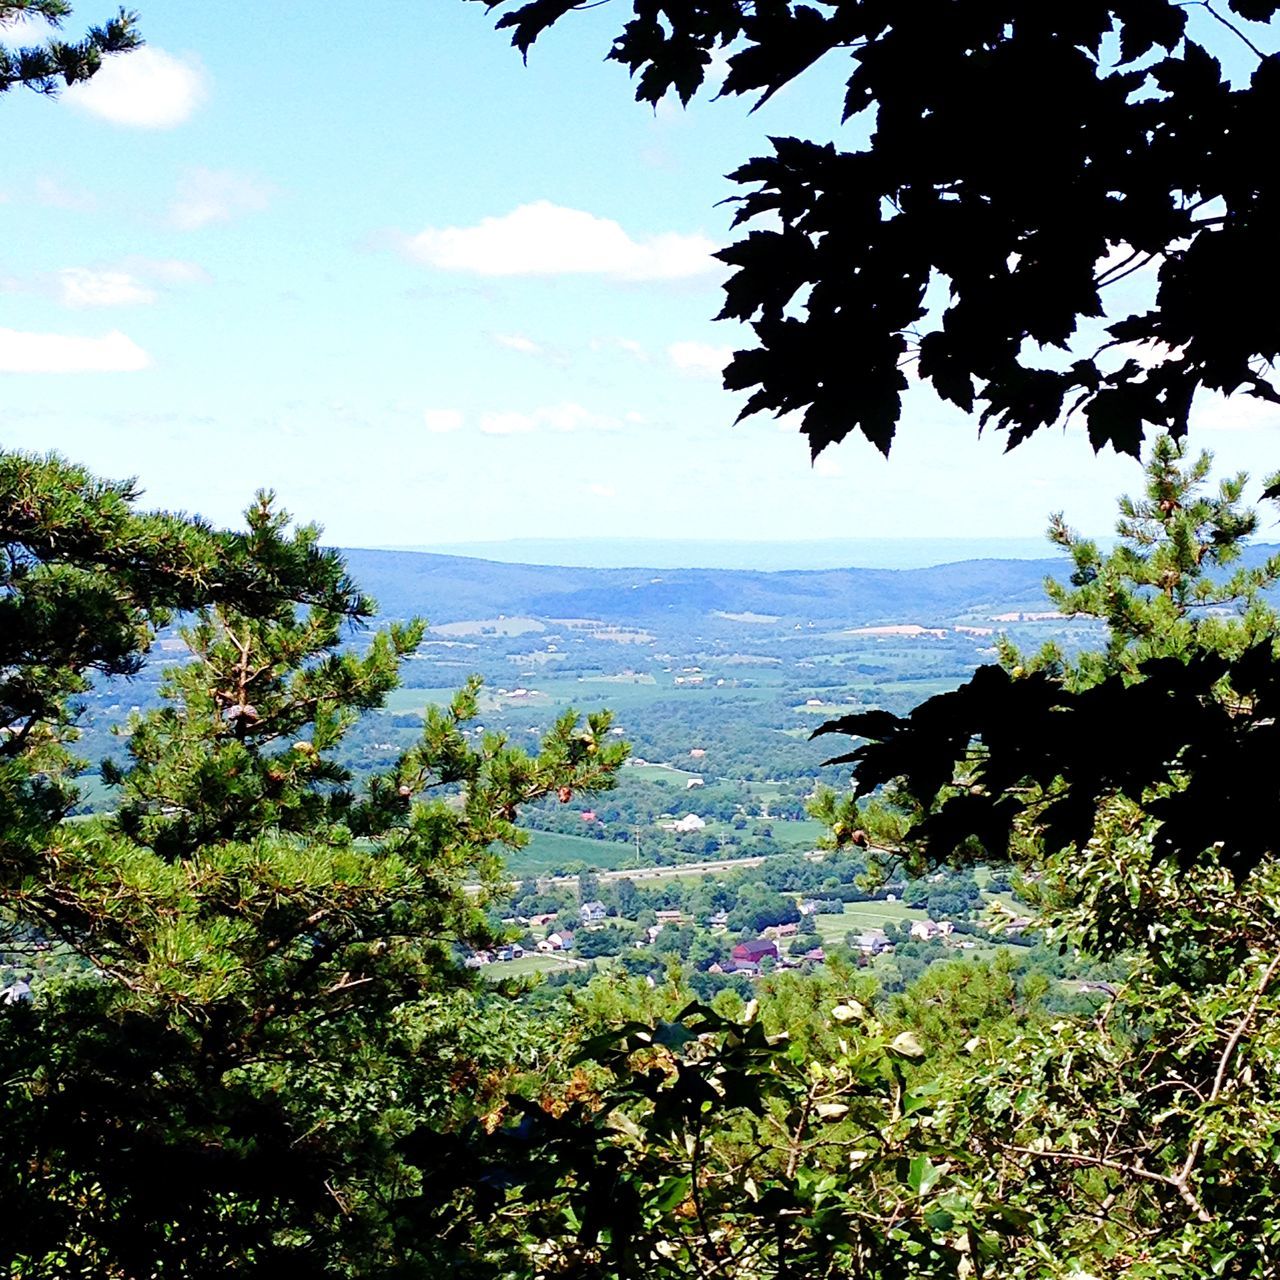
144,89
56,194
602,491
827,467
58,353
518,342
558,417
507,424
80,287
207,196
169,271
628,346
545,239
1239,412
440,421
699,359
25,30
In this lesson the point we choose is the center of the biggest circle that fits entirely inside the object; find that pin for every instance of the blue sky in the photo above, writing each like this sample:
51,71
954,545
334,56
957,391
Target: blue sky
368,259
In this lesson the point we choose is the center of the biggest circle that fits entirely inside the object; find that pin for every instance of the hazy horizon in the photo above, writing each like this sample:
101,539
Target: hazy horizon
729,553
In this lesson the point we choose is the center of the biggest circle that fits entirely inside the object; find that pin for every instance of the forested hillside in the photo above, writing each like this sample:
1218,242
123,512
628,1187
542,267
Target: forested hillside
452,589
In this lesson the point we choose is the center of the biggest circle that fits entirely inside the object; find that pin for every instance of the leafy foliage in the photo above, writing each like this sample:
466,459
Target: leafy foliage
1024,158
46,67
1195,695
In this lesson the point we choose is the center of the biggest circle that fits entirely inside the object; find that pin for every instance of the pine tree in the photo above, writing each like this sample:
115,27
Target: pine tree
1168,588
46,67
274,1000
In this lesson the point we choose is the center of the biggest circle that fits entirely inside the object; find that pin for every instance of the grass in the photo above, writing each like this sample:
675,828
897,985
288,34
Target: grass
547,849
797,832
658,773
523,967
401,701
863,915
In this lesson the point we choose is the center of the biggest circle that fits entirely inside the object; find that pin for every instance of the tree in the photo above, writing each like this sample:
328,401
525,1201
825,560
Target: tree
1196,693
1164,591
1153,846
1023,161
275,999
42,67
971,1126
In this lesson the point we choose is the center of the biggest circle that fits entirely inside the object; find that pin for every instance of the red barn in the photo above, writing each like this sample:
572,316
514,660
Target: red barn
747,955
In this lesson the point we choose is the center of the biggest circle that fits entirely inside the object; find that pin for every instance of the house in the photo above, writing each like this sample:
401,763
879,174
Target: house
697,753
588,815
669,917
873,942
512,952
690,822
719,921
694,782
928,930
561,941
546,918
816,956
809,907
20,992
780,931
478,960
593,912
748,955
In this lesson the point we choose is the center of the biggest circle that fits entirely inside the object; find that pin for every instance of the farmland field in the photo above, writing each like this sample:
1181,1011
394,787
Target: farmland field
547,850
525,966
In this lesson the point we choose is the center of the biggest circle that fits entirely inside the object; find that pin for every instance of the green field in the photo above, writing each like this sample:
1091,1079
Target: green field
659,773
863,915
548,849
797,833
404,701
523,967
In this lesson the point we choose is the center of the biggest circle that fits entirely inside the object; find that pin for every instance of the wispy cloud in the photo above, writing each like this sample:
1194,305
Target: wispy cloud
699,359
54,193
134,281
1233,413
557,417
629,346
518,342
81,287
114,352
440,421
207,196
545,239
167,271
145,89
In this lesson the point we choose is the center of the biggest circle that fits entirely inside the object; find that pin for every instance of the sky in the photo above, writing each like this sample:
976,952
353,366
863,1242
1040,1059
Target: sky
433,296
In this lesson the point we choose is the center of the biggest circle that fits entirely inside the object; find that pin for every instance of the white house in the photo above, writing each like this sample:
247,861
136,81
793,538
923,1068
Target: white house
928,930
690,822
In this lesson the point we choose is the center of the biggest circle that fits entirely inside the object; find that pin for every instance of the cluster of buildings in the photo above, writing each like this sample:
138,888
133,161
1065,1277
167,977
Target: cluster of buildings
748,957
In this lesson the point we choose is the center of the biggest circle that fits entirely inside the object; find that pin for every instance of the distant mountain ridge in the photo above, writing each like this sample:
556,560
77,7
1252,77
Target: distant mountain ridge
728,553
459,588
